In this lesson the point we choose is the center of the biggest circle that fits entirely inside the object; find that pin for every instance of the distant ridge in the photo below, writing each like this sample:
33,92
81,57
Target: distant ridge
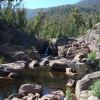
88,2
32,12
86,6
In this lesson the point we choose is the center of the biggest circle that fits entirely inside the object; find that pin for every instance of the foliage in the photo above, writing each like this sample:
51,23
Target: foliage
96,88
68,93
64,53
92,55
13,15
90,24
2,60
34,25
66,20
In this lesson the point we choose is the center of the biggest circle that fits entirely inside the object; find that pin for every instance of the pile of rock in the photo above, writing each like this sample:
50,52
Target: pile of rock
34,92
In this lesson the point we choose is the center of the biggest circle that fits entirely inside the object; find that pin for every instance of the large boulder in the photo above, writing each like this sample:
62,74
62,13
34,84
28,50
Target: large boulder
16,55
83,84
92,38
60,41
30,88
73,50
67,47
44,62
59,64
33,55
33,64
13,52
42,45
71,72
12,67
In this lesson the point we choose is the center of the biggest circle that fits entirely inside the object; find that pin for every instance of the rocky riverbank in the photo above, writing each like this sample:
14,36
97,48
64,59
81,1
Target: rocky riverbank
65,54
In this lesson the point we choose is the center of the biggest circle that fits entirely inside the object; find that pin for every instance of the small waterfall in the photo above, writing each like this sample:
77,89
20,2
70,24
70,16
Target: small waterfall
46,52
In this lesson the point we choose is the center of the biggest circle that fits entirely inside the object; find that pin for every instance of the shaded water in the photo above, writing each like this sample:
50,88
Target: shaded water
49,79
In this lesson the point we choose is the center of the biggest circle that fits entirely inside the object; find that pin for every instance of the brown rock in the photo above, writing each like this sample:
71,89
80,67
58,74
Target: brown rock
71,83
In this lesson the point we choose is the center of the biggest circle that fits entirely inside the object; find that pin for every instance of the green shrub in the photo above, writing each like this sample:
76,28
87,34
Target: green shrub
92,55
96,88
64,54
68,94
2,60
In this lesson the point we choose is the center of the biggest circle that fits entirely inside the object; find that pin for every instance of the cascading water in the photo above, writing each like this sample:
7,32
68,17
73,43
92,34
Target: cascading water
46,52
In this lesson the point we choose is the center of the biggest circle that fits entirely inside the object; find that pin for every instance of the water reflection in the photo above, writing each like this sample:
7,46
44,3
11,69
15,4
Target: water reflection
49,79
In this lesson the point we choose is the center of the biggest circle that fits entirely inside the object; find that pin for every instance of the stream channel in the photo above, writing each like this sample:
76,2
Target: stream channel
44,76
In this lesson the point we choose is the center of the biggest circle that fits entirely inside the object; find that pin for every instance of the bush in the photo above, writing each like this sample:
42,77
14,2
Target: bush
92,55
68,94
96,88
2,60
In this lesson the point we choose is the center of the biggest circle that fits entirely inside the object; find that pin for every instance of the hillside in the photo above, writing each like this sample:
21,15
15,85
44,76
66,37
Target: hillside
85,6
88,2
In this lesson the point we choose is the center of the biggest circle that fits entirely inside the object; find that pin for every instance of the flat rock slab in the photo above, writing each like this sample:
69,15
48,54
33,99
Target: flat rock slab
59,64
14,66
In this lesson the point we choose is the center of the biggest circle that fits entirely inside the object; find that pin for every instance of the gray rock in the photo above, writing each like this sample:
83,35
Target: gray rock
80,56
92,39
16,98
31,88
14,66
44,62
33,55
13,75
41,45
20,55
71,83
85,82
71,72
33,64
62,50
31,96
93,98
16,95
58,92
59,64
60,41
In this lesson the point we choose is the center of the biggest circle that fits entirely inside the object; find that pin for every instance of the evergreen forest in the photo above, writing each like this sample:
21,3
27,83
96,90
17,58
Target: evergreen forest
70,20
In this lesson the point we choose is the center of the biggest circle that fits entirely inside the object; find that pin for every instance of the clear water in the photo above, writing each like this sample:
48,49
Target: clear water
49,79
